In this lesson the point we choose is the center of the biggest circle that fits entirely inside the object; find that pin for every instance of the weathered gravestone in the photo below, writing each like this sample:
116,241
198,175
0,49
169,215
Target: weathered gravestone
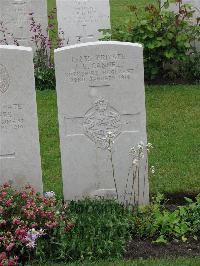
19,139
79,21
100,89
15,15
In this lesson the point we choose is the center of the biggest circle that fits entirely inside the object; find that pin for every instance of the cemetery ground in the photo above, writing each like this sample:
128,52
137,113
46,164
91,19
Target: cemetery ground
103,232
150,262
172,127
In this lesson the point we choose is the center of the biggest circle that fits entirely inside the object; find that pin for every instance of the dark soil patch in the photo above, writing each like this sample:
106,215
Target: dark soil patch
179,197
146,249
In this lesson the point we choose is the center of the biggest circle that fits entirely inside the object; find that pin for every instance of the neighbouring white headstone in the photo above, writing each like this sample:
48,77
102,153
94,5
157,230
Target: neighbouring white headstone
79,21
15,15
19,139
100,88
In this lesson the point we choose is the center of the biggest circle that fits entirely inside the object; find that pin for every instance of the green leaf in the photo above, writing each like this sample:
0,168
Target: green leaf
160,240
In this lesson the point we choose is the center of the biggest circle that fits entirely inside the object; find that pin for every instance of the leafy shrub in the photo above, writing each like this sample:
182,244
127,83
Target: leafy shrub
168,39
190,69
159,224
30,225
43,63
101,230
191,214
44,74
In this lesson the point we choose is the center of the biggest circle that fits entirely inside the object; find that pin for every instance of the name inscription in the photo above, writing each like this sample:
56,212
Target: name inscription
100,67
11,117
83,12
21,22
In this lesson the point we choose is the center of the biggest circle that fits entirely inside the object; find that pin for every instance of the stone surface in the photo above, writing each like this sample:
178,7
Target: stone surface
16,18
19,138
100,88
80,20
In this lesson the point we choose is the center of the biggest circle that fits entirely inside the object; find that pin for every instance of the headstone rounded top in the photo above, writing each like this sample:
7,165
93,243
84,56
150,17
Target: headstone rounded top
15,47
99,43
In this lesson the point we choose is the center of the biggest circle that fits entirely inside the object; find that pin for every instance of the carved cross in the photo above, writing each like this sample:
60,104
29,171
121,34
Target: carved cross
98,121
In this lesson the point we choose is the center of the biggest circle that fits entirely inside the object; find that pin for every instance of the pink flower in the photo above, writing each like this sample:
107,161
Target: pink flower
10,247
21,233
23,195
8,202
2,223
16,221
3,256
3,193
1,210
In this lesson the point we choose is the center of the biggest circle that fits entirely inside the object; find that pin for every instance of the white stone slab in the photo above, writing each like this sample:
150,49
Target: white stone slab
80,20
16,18
100,88
19,139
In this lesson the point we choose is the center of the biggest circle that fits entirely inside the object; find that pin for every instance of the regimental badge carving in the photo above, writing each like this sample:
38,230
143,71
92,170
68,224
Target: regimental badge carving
99,121
4,79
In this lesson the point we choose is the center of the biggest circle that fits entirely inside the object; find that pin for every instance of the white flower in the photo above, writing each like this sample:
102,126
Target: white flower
49,194
135,162
152,169
31,244
110,135
32,236
149,145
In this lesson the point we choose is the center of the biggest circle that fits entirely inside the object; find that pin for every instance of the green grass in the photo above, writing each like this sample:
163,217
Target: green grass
49,139
173,128
161,262
120,12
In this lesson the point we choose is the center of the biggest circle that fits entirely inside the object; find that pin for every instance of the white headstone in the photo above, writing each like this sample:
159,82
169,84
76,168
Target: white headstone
79,21
15,15
19,139
100,89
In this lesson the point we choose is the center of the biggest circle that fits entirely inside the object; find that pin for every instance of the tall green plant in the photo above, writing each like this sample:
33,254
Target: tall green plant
168,38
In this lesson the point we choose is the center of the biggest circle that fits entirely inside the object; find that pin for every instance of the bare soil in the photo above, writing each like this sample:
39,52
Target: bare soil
145,248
